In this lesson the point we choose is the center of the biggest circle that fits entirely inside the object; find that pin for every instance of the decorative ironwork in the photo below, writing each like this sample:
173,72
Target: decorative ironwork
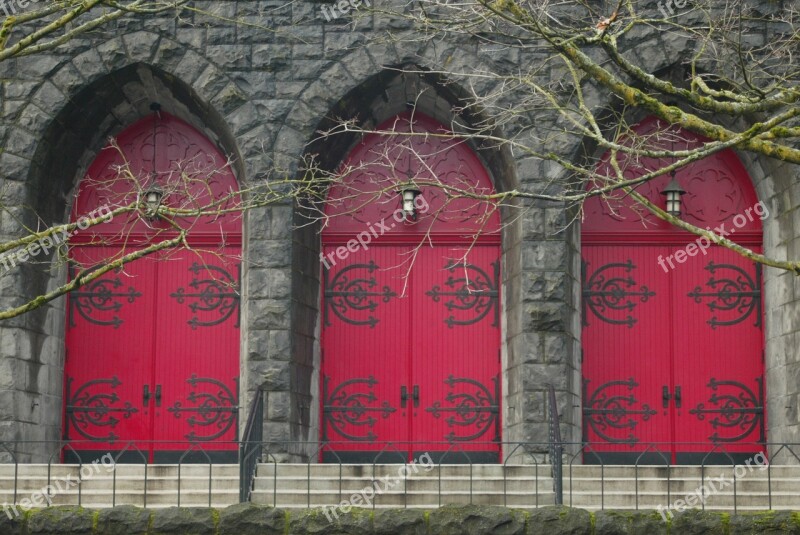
736,407
219,292
90,407
476,409
603,293
606,411
216,410
100,295
347,408
739,293
344,294
479,293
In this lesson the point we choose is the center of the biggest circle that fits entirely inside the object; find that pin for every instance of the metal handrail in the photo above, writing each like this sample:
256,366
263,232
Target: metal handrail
251,441
556,447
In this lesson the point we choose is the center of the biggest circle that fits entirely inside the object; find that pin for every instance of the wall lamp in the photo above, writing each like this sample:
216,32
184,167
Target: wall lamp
673,192
409,194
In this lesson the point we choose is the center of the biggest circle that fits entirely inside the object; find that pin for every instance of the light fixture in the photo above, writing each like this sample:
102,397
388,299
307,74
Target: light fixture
673,192
152,198
409,193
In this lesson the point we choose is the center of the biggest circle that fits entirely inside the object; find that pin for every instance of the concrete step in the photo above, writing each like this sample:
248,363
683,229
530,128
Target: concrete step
288,499
411,484
760,484
301,485
122,484
381,470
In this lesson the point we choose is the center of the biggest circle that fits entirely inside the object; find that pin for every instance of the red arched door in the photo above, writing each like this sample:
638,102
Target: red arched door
152,349
411,321
672,327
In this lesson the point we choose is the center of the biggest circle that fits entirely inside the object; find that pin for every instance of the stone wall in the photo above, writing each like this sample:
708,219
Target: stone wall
247,519
262,96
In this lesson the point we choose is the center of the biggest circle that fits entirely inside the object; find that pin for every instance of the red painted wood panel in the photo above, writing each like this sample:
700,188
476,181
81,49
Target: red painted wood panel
109,353
718,355
196,360
699,331
153,350
410,343
188,167
626,350
367,348
456,363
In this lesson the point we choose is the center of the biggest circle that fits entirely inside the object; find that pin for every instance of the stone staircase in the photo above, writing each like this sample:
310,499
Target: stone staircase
99,489
616,487
314,485
299,486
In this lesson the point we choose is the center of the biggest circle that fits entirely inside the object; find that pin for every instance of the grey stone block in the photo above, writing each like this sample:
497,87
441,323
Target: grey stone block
123,520
182,521
250,519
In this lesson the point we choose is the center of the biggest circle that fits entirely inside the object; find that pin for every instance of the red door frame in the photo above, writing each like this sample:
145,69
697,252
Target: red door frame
153,348
398,405
628,284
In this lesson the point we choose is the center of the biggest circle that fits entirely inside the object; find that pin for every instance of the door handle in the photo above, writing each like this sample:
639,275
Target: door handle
146,395
665,396
416,395
677,397
158,395
403,397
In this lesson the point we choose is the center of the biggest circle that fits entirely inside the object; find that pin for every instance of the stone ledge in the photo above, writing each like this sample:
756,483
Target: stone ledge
249,519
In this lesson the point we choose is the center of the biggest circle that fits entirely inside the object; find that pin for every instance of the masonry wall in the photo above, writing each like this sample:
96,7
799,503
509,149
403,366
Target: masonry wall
262,95
247,519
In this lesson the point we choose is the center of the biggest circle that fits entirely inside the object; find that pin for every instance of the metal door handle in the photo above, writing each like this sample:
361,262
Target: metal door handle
146,395
678,397
416,395
158,395
665,396
403,396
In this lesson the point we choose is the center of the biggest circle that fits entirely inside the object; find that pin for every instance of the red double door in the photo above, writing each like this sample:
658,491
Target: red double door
672,357
411,356
152,360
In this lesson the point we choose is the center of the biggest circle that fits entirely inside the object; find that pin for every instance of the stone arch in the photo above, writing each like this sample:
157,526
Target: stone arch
379,96
46,178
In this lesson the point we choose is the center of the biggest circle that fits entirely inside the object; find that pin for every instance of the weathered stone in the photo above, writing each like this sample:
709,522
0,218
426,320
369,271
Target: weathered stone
629,523
182,521
399,522
477,520
123,520
559,521
10,522
61,519
767,523
249,519
697,522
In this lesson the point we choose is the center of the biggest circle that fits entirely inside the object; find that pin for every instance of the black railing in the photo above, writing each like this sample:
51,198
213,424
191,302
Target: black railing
555,446
250,445
59,472
585,474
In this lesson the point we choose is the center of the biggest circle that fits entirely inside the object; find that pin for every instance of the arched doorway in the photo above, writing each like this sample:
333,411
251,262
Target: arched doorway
152,349
672,327
411,305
